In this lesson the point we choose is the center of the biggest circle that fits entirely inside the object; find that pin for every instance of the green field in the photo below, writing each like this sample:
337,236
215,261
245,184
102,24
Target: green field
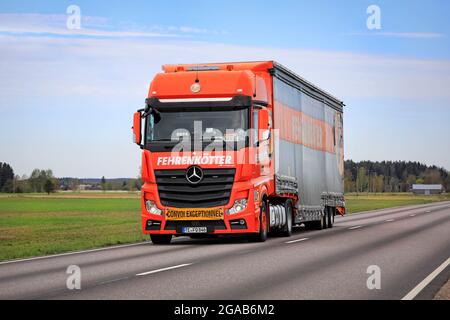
36,224
366,202
39,225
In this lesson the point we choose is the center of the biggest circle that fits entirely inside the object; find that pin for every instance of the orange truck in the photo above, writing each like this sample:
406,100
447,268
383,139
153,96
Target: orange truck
246,148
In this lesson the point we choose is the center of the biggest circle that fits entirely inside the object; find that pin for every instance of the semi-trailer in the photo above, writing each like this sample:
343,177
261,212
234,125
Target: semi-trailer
245,148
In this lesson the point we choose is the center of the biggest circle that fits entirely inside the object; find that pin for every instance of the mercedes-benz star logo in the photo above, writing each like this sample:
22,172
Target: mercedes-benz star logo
194,174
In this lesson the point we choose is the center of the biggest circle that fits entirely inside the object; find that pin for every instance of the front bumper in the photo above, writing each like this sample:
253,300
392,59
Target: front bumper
244,222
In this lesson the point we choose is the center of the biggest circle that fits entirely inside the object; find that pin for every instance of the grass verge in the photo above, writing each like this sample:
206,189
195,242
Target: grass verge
42,225
366,202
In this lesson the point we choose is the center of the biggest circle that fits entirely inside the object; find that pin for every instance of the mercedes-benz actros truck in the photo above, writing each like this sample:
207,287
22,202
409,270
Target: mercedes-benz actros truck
246,148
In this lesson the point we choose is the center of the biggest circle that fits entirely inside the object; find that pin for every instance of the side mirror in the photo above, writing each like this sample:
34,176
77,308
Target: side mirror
137,136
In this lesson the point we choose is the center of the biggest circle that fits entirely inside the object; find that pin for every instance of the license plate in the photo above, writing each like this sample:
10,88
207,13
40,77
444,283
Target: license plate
194,230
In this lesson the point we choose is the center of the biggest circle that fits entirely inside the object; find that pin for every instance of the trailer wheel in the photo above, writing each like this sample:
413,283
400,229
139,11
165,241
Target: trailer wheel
308,225
261,236
161,238
322,223
330,217
333,214
287,229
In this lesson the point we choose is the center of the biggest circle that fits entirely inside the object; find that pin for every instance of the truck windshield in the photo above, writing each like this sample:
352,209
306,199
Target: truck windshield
227,125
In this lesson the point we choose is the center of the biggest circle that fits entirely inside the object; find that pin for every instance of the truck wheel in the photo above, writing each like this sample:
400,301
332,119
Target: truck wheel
330,217
287,229
309,225
161,238
333,214
322,223
261,236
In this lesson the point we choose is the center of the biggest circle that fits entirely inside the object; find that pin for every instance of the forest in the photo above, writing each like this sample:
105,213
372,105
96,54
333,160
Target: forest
391,176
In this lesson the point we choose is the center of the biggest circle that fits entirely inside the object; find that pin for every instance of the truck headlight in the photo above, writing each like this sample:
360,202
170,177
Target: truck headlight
238,206
152,208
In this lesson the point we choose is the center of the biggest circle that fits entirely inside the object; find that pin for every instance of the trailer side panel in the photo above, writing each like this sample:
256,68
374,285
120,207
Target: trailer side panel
310,144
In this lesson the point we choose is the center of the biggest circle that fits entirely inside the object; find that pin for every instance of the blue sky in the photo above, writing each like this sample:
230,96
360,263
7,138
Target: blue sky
66,96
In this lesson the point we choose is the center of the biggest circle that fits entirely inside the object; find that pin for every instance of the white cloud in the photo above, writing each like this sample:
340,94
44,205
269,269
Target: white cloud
406,35
412,35
121,67
55,24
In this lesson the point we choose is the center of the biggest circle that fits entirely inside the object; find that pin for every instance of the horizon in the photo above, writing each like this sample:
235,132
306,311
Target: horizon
26,176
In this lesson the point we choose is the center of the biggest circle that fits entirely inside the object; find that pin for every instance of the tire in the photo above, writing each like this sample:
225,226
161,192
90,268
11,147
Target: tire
309,225
161,238
261,236
287,230
330,217
333,214
317,224
321,224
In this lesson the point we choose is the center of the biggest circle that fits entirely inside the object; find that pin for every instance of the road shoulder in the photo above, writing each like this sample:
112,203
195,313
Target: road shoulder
444,293
438,289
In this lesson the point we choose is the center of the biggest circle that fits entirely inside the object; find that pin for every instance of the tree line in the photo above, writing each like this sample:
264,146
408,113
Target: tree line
44,181
6,177
391,176
364,176
39,181
103,184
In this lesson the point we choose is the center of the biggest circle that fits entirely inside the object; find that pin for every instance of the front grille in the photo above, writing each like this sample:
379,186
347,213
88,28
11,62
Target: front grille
213,191
213,224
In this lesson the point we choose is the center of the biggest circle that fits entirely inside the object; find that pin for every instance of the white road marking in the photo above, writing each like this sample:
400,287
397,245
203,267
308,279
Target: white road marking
414,292
412,215
76,252
298,240
428,211
355,227
163,269
389,220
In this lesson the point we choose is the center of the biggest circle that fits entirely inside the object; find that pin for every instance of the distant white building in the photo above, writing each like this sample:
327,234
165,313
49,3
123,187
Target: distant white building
84,187
427,189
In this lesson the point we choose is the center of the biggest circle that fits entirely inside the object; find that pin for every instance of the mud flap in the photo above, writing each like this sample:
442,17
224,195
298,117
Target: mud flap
341,210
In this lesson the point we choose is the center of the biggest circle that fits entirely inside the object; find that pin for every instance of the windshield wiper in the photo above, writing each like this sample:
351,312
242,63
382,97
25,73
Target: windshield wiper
164,140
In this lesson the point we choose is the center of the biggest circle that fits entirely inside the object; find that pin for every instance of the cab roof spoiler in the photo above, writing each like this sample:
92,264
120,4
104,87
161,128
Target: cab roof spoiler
238,102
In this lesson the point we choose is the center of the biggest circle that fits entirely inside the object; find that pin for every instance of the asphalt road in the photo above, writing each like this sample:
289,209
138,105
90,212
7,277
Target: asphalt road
407,244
